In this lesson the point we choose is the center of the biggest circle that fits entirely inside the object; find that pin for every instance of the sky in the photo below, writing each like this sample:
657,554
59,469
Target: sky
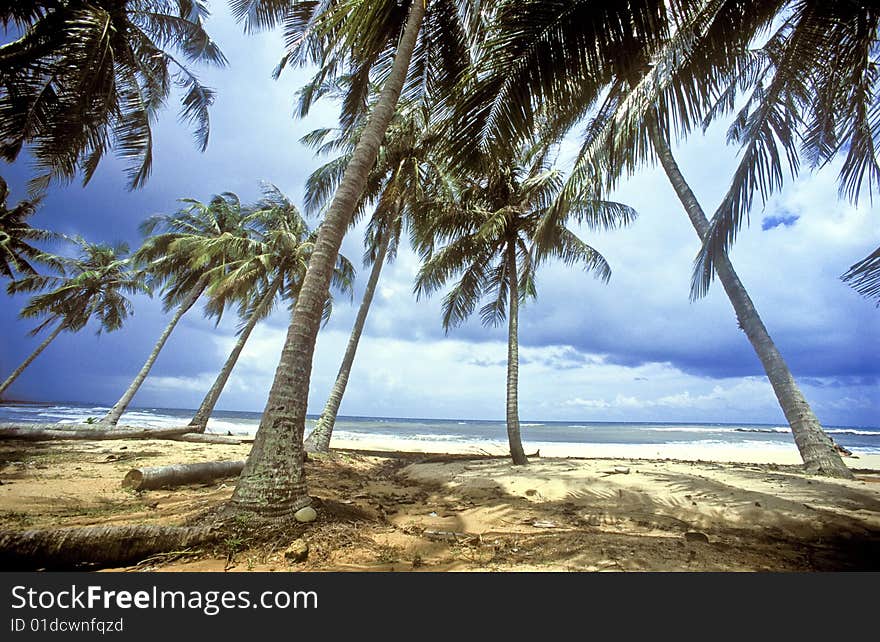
635,349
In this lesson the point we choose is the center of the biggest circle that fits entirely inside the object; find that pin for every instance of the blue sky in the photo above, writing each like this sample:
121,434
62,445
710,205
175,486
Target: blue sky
635,349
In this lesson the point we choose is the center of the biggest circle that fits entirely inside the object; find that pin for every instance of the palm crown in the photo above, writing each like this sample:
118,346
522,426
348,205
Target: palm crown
93,285
16,236
503,221
192,246
89,75
273,257
407,168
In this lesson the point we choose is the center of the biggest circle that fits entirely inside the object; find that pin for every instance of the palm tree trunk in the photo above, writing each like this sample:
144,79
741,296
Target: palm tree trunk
816,448
319,440
34,355
513,433
112,417
273,479
200,420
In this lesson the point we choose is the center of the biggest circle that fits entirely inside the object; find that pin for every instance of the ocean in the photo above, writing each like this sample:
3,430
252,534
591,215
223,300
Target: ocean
864,440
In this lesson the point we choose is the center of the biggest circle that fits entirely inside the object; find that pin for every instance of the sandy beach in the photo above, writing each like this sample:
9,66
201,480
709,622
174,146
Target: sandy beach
625,508
786,455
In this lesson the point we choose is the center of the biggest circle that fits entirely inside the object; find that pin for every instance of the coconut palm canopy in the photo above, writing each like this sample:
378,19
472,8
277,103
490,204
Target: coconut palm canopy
273,254
91,286
506,209
88,76
17,237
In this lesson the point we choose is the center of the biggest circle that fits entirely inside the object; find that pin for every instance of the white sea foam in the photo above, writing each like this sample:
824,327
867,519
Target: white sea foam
224,426
851,431
690,429
454,433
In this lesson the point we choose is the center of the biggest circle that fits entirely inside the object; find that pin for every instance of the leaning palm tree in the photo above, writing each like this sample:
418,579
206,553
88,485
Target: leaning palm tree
168,260
269,267
86,76
91,286
17,254
620,124
494,234
669,83
360,37
405,168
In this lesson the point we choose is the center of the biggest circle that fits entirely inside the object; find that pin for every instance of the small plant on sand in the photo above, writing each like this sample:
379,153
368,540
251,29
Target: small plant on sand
388,554
236,541
233,544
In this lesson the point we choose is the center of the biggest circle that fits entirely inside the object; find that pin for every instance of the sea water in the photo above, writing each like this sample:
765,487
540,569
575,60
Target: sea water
859,439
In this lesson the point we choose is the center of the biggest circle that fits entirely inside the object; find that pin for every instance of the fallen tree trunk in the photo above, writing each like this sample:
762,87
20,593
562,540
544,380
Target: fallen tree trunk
180,474
43,433
201,438
95,546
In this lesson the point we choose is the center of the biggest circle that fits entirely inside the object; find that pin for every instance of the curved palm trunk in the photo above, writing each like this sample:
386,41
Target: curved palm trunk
273,479
200,421
513,433
320,437
112,417
33,356
816,448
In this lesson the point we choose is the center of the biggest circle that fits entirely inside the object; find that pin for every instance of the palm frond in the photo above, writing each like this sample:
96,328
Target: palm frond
864,276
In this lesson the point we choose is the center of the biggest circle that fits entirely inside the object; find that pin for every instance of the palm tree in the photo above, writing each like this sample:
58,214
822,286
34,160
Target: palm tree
397,184
673,81
500,226
89,75
816,448
91,286
175,259
355,36
16,236
273,261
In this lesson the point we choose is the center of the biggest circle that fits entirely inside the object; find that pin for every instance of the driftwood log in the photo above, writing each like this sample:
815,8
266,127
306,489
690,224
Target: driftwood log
52,432
42,432
180,474
94,546
201,438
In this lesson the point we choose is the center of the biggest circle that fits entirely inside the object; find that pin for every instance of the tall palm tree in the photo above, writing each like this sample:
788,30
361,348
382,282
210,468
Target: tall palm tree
368,38
270,266
89,75
404,170
815,446
16,236
500,226
175,260
91,286
669,82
